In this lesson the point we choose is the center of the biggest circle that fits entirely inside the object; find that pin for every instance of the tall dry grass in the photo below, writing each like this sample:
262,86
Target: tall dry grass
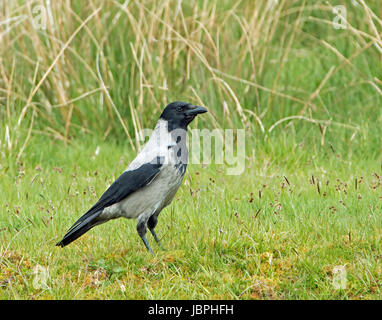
108,67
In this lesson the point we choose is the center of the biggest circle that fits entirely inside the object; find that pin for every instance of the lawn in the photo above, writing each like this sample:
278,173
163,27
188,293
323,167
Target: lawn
277,232
303,221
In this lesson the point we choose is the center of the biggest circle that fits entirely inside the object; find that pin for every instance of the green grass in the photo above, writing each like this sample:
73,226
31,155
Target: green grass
223,240
307,94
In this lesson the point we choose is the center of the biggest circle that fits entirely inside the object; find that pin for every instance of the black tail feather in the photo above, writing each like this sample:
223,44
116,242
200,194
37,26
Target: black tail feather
78,229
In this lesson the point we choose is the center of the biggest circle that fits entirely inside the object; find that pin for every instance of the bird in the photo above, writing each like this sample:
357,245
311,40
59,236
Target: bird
150,182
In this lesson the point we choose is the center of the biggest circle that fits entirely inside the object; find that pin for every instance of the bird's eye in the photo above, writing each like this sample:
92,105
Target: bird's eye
179,109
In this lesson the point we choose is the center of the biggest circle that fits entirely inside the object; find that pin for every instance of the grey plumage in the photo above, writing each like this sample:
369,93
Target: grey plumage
150,182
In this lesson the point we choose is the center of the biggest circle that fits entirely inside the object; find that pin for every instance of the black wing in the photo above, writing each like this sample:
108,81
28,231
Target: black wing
127,183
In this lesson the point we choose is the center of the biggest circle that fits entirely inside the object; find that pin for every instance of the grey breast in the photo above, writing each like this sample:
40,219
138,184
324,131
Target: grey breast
174,172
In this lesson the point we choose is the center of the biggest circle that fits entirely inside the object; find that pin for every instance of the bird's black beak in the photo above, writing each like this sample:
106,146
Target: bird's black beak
195,110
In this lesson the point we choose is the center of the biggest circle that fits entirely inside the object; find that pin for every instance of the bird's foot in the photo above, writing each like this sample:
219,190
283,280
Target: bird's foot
156,238
147,245
161,247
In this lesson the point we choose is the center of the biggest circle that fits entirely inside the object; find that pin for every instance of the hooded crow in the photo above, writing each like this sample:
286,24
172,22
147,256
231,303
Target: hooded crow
151,180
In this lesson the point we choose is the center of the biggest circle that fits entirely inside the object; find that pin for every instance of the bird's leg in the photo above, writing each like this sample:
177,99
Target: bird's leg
141,228
152,222
155,236
157,239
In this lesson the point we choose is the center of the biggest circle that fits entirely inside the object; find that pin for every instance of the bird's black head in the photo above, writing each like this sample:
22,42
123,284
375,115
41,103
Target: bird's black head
179,114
